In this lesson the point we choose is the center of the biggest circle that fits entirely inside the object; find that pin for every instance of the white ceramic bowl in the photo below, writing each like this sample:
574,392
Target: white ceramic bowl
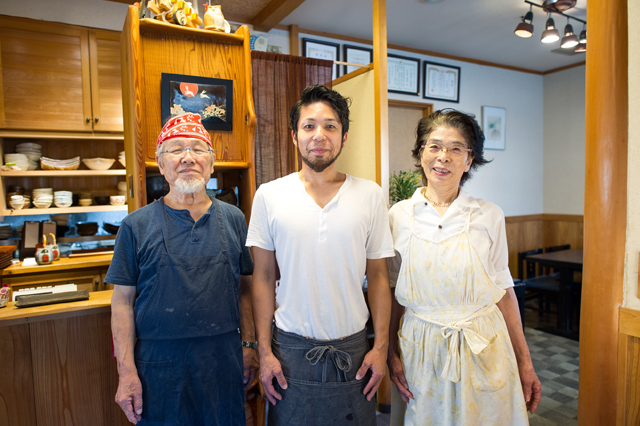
117,200
98,163
42,205
16,205
85,201
63,204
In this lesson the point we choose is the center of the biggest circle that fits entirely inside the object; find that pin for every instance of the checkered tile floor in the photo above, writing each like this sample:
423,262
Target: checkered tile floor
555,360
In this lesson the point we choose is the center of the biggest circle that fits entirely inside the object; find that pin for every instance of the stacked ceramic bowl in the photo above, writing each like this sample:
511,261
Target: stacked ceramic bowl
98,163
33,151
42,197
17,202
122,188
86,199
53,164
21,160
62,198
122,160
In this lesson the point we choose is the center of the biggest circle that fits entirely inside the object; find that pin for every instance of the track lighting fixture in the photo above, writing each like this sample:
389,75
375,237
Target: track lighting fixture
525,28
570,39
550,33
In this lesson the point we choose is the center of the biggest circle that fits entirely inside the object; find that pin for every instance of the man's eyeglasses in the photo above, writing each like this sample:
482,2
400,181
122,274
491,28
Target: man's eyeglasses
454,150
179,152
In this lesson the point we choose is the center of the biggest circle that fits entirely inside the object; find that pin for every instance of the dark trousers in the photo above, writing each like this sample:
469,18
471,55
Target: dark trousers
322,388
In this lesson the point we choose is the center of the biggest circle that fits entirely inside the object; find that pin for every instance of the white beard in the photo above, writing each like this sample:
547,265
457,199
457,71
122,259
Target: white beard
189,186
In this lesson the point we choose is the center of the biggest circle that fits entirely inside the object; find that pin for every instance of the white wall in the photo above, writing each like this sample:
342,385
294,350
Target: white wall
564,127
633,172
103,14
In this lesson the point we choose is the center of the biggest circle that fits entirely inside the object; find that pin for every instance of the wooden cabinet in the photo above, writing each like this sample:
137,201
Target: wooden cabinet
62,146
59,77
85,280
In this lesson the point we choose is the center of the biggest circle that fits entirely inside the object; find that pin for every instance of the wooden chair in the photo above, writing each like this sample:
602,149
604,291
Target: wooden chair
544,285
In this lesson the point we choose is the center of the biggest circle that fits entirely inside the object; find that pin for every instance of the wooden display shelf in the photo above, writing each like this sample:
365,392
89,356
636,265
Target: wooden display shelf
65,263
42,135
58,210
87,238
154,24
63,173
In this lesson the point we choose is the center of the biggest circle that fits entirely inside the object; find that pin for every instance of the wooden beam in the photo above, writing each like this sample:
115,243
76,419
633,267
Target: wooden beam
273,13
380,94
605,208
294,42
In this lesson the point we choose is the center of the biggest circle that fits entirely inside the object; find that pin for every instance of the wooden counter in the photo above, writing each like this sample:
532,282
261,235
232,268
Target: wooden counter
65,263
99,302
57,365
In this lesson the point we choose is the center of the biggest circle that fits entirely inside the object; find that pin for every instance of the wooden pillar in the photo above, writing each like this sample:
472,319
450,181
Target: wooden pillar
606,119
294,43
380,93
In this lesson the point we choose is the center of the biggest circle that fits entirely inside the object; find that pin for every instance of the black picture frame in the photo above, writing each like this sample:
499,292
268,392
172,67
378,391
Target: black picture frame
348,50
214,103
443,88
322,50
399,71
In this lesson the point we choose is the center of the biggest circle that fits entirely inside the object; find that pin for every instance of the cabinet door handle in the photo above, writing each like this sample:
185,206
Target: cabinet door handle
88,119
95,120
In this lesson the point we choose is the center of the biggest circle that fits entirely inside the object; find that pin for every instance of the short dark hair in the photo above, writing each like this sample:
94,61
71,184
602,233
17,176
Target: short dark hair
313,94
468,127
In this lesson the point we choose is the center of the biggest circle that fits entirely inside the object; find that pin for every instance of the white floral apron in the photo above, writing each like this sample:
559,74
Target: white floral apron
453,341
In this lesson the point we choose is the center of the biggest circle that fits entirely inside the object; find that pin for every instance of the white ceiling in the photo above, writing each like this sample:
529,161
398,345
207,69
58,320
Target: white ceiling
475,29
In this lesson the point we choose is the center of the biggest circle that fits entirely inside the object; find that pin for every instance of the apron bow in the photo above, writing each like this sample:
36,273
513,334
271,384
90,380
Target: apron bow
341,359
476,342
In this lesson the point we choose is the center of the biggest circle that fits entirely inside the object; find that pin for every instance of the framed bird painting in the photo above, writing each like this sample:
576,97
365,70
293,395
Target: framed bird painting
212,98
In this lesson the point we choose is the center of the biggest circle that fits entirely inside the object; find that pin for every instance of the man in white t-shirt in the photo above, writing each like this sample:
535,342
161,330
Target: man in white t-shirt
319,232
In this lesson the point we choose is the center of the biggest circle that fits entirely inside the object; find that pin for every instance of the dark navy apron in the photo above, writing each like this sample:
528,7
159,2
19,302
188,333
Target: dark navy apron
321,384
189,353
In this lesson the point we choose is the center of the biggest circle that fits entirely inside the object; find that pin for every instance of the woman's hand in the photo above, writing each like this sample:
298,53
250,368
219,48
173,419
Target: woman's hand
396,374
531,387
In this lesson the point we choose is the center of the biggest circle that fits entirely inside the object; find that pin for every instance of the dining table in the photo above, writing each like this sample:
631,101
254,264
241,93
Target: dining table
566,262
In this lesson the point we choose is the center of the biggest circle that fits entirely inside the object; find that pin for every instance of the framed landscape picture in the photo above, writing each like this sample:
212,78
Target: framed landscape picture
212,98
494,121
441,82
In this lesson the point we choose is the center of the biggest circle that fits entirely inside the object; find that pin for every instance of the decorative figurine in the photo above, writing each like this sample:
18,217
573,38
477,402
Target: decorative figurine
176,12
4,295
214,19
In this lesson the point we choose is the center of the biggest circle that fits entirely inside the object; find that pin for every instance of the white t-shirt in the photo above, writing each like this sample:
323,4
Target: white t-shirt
321,253
486,230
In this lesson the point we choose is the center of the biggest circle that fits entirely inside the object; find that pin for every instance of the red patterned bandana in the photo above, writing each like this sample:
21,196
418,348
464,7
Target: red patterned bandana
184,126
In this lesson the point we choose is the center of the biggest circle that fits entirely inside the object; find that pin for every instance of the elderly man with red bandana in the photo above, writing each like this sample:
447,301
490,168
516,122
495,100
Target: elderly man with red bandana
181,309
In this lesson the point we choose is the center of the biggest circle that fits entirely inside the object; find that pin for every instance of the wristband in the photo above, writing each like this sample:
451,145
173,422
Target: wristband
252,345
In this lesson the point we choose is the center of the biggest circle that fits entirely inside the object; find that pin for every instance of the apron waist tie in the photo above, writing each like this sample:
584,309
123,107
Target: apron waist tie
340,359
451,330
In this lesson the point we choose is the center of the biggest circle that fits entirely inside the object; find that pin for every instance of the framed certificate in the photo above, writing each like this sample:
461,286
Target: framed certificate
356,55
441,82
494,126
322,50
403,75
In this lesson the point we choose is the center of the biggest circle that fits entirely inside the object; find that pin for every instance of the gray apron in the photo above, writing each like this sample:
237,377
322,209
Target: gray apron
189,353
322,389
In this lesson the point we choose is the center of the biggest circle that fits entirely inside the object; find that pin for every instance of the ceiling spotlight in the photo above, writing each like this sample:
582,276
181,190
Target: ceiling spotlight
570,39
550,34
559,5
581,48
525,28
583,35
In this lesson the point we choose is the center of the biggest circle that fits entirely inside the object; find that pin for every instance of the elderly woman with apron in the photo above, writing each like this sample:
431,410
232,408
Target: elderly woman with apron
457,352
